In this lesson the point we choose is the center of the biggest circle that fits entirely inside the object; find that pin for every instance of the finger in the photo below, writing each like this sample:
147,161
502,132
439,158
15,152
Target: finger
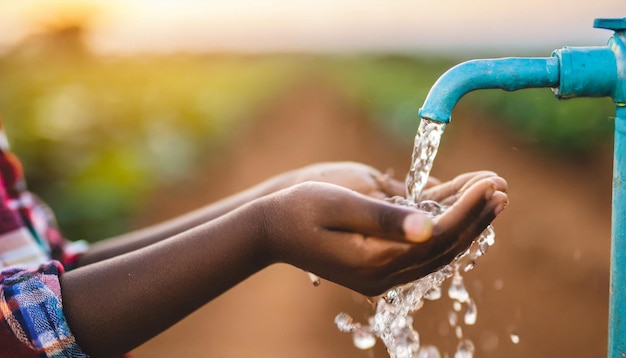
451,187
376,218
459,183
386,186
500,185
392,187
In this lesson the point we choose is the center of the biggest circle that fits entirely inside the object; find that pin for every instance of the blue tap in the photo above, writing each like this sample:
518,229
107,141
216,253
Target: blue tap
598,71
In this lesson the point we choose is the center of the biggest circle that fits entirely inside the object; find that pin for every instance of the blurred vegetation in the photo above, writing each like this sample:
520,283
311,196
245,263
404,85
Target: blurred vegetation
97,134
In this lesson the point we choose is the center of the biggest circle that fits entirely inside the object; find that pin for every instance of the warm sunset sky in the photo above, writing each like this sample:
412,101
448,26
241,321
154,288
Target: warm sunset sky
321,25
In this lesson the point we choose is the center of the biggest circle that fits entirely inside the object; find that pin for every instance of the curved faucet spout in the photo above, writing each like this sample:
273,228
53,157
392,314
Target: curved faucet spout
509,74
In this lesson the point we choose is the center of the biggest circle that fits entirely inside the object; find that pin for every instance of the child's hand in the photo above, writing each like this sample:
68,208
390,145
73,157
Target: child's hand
370,245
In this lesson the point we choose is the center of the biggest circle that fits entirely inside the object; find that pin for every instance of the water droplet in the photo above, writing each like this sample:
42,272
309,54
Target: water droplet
489,235
470,265
428,352
452,319
498,284
433,294
471,313
314,279
458,331
465,349
456,305
514,338
363,339
457,289
345,323
391,296
431,207
483,247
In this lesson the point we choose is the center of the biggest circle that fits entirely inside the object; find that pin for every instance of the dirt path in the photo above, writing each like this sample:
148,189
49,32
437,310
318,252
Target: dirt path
546,278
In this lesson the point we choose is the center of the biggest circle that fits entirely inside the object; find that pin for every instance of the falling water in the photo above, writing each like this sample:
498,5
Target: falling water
424,151
392,322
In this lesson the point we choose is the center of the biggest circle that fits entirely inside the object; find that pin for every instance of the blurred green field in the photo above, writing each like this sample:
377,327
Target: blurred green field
97,134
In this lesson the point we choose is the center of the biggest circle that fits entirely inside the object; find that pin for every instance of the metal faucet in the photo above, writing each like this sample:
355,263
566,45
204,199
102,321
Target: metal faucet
598,71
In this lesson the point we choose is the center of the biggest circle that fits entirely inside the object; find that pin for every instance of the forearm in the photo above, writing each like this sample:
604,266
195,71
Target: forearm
143,237
115,305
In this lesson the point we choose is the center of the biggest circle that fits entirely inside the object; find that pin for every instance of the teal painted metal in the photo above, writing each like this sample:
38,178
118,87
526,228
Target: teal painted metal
509,74
617,290
570,72
586,72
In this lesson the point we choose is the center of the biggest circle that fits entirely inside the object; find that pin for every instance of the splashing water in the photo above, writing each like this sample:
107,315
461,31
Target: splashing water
393,322
315,280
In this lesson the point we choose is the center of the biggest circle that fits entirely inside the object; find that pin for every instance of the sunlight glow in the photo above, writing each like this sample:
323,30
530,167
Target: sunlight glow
325,25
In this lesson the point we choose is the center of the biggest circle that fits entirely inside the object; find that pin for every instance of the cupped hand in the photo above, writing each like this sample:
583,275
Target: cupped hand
369,245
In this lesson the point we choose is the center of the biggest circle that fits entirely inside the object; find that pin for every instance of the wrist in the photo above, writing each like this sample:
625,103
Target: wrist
253,218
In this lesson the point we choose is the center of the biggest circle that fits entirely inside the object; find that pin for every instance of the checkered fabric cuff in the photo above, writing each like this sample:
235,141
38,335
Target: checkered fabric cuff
31,309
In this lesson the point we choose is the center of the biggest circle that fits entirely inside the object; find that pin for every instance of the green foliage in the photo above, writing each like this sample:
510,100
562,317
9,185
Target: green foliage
573,126
96,134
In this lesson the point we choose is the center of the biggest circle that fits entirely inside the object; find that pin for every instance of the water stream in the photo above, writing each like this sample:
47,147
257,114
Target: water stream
393,321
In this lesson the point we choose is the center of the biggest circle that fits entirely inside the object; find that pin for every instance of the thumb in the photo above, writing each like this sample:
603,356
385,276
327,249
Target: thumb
375,218
417,227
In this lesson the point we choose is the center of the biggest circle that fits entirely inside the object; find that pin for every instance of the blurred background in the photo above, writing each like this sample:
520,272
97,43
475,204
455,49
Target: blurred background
128,113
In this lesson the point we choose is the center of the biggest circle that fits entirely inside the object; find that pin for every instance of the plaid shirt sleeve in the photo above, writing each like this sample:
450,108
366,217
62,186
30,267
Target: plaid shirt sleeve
33,254
32,323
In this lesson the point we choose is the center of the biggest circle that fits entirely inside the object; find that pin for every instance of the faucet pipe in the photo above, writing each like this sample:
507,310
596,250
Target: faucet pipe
509,74
571,72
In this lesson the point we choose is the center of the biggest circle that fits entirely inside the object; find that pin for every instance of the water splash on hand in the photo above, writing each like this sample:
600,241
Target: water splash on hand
392,322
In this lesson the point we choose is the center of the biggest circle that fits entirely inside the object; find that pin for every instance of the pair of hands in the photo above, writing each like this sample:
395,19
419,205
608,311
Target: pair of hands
328,219
334,224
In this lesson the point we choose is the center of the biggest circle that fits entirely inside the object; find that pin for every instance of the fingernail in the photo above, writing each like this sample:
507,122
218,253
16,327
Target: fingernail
417,227
500,208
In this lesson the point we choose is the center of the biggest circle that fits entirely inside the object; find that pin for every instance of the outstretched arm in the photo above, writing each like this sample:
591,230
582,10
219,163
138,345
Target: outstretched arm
365,244
355,176
138,239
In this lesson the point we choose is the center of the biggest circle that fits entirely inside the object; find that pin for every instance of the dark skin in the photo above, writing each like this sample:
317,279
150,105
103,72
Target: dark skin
327,219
